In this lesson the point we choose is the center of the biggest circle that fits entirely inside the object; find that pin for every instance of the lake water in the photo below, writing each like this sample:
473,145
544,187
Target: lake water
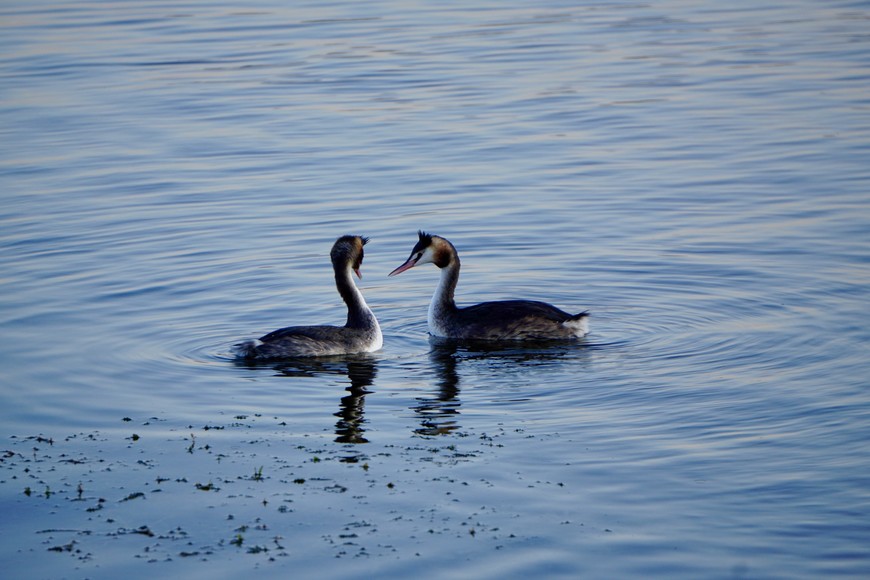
697,175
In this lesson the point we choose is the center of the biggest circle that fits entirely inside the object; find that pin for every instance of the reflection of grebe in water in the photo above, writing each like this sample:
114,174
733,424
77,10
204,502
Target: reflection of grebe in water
349,427
361,370
438,414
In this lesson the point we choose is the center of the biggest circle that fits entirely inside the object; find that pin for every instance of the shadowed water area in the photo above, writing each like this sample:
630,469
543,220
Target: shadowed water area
173,175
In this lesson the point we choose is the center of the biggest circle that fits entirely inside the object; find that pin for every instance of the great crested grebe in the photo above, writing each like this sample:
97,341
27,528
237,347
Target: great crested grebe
361,332
503,320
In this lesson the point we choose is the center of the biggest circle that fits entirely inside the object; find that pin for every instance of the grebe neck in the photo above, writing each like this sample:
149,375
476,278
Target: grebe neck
359,315
444,293
443,305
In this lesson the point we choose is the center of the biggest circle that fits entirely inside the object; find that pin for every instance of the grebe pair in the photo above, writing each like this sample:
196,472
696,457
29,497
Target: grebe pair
490,321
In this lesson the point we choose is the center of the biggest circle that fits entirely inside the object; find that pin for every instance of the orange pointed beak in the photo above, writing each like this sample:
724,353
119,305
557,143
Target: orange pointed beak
410,263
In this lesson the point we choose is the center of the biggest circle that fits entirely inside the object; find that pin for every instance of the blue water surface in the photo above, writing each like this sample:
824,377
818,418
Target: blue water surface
697,175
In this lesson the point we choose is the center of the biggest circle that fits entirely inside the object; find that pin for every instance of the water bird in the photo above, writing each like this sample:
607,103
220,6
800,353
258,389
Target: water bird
361,333
501,320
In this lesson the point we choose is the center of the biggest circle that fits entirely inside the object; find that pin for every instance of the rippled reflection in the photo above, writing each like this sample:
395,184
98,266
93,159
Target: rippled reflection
439,413
351,413
361,372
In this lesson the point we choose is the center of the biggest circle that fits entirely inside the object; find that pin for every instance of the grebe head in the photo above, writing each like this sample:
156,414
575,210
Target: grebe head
348,251
430,249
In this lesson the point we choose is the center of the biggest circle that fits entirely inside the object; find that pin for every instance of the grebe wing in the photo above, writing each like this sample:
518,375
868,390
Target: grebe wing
518,319
302,333
516,309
